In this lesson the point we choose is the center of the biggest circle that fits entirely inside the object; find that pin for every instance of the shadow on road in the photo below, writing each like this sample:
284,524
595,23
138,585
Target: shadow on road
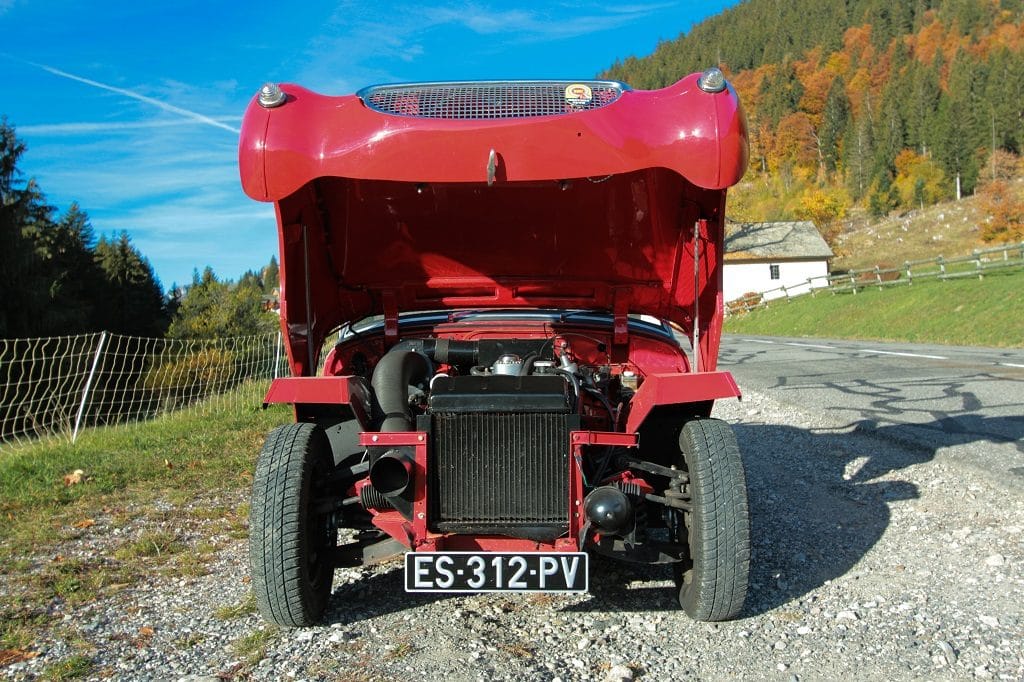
822,501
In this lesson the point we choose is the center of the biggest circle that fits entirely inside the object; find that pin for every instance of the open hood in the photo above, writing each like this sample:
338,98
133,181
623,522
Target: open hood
495,195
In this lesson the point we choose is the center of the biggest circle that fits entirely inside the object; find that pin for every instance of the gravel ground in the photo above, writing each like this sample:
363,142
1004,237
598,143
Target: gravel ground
871,560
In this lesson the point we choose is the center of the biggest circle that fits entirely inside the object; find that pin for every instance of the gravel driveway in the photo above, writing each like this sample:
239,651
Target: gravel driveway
871,560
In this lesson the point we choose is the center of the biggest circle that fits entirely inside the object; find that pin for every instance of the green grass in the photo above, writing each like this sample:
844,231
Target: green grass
176,457
73,668
253,646
962,312
242,608
128,470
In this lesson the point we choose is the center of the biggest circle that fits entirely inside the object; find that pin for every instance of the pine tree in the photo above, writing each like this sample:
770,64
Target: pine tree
76,282
781,93
858,153
23,290
271,276
134,300
835,121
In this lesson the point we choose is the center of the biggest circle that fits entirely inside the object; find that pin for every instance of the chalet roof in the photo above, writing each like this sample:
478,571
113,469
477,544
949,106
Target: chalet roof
774,241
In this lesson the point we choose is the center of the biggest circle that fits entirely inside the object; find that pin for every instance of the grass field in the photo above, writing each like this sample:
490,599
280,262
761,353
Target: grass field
150,476
960,312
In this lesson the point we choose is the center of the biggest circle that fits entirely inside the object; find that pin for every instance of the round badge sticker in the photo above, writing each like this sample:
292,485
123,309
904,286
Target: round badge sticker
578,94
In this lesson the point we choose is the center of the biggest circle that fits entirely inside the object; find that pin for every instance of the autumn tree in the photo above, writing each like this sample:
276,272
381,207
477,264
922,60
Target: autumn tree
1005,210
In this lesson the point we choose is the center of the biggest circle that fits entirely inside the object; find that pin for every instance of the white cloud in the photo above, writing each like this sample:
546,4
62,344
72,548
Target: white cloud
195,116
84,127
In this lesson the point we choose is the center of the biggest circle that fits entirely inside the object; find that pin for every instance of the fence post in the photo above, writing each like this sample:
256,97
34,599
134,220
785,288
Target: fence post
810,286
88,385
977,264
878,277
910,275
853,283
942,267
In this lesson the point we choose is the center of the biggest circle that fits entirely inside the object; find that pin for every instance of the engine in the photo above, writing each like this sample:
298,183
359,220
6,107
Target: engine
499,415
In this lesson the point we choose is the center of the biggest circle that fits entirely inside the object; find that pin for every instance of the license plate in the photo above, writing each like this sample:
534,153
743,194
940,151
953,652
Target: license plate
496,572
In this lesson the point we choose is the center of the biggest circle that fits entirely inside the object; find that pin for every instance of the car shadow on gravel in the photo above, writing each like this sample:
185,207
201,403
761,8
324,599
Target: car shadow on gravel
374,595
818,504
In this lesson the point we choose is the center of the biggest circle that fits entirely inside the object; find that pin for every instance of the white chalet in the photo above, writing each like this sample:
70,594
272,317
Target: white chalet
760,257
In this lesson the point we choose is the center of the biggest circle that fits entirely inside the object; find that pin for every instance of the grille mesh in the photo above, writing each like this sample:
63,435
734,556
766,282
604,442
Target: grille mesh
501,469
486,100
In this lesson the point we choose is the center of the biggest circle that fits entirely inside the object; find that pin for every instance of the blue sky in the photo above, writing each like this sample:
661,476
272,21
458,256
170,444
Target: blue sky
132,110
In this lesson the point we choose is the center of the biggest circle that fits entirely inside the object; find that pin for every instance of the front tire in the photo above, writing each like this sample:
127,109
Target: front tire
289,543
713,583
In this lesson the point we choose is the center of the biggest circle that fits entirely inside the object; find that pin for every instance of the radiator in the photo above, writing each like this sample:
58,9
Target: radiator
505,473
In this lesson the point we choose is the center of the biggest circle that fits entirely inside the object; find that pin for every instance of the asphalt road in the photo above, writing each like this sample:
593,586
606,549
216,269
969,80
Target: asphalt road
959,404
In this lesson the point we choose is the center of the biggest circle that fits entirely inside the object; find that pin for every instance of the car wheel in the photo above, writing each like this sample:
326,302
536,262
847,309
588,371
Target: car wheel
290,543
712,584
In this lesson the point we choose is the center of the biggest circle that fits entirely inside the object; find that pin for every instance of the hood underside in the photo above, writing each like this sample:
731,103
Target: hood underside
388,206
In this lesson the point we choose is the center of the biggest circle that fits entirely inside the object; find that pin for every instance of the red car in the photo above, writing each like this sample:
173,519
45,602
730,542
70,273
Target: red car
509,269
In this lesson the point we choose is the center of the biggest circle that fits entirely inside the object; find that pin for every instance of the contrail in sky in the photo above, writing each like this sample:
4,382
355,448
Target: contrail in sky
200,118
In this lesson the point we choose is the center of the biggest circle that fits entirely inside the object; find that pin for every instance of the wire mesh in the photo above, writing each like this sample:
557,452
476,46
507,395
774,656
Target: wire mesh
491,100
56,386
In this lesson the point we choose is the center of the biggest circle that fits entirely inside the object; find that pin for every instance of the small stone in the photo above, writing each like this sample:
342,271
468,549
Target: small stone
304,636
619,673
803,630
847,615
780,645
947,652
982,672
583,644
990,621
782,667
995,560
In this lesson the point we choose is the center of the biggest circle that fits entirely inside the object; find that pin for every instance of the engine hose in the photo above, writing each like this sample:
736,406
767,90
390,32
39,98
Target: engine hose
392,376
442,351
604,401
573,379
371,498
528,362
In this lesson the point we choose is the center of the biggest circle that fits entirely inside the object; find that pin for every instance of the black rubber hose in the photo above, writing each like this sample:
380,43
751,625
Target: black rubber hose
528,363
443,351
392,376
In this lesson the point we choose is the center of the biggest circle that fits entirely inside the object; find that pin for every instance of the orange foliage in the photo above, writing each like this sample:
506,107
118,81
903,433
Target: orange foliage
748,87
856,88
1006,213
857,43
794,142
807,66
928,41
816,87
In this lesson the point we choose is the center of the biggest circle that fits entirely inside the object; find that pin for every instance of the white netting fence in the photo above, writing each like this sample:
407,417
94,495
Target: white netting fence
60,385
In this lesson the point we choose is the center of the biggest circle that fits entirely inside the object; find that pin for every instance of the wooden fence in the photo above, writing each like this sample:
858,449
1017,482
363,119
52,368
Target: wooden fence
979,262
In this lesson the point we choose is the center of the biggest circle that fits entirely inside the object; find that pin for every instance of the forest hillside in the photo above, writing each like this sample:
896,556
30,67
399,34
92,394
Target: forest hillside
866,106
